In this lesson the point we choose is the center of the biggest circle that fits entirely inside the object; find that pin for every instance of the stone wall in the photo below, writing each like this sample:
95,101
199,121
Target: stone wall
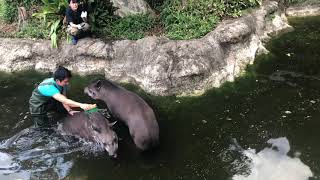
304,10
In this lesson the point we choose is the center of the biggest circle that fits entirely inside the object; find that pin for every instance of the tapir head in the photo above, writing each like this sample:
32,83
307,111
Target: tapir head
94,90
103,134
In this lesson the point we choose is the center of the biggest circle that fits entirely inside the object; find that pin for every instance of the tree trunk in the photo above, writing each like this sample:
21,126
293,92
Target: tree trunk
23,16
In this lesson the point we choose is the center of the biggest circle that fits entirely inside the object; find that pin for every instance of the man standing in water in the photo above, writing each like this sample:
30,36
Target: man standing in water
50,95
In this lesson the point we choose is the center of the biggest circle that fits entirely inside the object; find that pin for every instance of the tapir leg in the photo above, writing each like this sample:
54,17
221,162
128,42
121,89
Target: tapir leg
140,141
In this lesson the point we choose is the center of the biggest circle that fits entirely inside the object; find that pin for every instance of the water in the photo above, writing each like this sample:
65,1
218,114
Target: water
268,118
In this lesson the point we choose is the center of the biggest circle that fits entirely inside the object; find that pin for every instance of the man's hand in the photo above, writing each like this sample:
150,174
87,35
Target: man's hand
88,106
79,26
72,112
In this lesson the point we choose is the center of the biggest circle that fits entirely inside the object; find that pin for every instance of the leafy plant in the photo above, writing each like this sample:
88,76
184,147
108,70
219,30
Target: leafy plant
53,33
101,14
52,14
52,8
234,8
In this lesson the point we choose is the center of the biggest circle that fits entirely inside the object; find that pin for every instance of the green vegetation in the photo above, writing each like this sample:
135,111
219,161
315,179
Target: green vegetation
193,19
52,15
101,16
190,21
8,11
106,25
176,19
132,27
34,29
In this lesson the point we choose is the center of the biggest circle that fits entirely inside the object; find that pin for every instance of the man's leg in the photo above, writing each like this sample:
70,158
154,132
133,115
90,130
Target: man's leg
56,111
39,115
85,27
85,31
40,120
74,32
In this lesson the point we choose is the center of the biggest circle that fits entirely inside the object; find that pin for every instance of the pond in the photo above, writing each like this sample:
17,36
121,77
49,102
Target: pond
264,125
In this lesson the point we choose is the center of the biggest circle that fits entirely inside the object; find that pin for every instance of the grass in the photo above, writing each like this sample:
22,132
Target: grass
176,19
191,19
132,27
8,11
33,29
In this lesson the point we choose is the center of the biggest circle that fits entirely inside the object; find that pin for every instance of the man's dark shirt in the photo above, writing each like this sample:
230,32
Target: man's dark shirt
74,16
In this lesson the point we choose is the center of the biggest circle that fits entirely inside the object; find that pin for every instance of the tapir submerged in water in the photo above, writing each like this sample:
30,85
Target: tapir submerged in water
129,108
91,126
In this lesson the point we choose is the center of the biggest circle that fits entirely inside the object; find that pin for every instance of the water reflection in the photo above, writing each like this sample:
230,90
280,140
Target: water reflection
291,78
36,154
273,163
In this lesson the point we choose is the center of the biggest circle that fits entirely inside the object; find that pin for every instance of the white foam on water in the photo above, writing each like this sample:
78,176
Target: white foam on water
9,170
274,163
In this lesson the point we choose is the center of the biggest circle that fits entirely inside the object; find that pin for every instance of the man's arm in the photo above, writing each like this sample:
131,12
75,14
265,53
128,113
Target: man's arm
64,92
75,25
67,107
64,100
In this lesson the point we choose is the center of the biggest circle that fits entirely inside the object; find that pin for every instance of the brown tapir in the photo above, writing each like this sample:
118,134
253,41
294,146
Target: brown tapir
93,127
129,108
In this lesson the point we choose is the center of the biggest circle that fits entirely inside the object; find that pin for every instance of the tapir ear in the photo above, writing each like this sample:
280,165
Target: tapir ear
98,84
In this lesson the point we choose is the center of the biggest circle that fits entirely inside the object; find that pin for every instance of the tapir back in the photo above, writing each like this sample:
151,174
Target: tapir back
77,125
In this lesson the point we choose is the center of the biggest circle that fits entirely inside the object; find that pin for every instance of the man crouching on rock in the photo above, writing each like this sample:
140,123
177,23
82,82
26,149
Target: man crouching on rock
77,21
50,95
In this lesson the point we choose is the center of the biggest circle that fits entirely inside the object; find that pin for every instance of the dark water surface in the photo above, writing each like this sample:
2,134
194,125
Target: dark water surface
263,126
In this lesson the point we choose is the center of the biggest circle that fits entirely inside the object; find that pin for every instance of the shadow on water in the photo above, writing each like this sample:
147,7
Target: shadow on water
276,102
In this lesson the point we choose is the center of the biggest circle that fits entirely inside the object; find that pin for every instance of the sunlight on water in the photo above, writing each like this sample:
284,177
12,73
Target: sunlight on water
273,163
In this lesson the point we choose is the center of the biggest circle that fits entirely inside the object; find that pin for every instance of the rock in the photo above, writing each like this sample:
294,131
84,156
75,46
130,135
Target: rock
131,7
306,10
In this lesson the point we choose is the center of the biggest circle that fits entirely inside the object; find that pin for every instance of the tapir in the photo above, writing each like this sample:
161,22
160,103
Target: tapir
93,127
129,108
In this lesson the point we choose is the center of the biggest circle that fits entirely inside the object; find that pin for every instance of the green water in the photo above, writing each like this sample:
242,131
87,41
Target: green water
277,97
